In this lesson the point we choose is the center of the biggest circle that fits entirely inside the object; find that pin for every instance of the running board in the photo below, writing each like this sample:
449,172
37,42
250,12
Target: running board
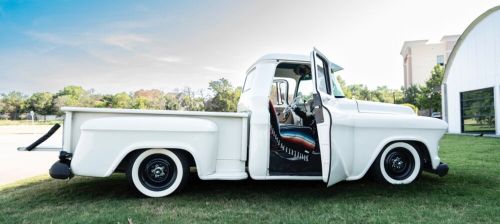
226,176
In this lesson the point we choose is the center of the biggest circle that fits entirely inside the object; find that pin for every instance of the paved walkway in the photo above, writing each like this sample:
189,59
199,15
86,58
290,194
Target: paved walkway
15,165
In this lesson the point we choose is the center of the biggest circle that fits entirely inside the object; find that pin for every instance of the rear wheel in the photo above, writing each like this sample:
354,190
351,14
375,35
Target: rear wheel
158,172
398,163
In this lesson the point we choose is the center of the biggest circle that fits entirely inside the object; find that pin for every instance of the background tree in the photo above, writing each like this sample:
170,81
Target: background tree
225,96
380,94
75,92
188,101
69,96
13,104
384,94
1,103
430,96
121,100
345,88
41,103
398,96
359,92
172,102
148,99
411,95
64,100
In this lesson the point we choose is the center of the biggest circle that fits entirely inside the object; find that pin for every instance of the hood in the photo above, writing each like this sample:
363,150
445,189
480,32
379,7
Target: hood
383,108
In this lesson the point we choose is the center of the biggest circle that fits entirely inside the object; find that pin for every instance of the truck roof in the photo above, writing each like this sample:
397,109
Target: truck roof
277,56
288,57
291,57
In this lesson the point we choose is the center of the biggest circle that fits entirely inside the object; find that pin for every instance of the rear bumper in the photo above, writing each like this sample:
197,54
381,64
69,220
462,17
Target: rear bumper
441,170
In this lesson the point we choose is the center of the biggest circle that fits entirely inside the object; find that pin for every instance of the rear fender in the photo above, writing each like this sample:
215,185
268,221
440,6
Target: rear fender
104,142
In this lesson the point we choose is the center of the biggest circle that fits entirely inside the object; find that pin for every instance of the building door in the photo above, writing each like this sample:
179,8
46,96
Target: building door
477,110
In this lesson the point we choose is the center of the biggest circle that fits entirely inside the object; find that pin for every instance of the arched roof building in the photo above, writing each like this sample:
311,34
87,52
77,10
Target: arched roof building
471,85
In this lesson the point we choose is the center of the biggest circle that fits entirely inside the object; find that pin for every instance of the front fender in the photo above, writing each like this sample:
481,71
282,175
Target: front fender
374,131
104,142
431,143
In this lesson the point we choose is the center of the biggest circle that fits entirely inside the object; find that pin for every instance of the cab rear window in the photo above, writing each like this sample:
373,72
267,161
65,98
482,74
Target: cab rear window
249,80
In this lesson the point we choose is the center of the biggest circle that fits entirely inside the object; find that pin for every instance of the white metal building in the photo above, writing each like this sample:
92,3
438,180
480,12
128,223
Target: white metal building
471,85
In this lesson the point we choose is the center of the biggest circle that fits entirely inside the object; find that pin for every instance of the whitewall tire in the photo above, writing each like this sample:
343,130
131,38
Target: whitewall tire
158,172
398,163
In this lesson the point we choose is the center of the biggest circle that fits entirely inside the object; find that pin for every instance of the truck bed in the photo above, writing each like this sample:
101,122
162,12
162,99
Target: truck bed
232,132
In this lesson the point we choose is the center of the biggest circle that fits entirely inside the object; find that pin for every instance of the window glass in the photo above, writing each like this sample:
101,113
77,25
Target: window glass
291,88
336,88
282,89
273,97
440,60
249,80
478,111
321,74
306,89
278,95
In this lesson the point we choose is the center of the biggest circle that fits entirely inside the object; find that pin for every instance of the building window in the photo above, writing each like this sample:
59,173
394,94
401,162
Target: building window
478,111
440,60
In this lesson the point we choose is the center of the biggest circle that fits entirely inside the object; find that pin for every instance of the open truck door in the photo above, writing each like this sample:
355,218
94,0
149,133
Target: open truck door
332,168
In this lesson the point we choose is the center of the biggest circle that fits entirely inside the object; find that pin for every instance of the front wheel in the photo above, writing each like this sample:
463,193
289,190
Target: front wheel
398,163
158,172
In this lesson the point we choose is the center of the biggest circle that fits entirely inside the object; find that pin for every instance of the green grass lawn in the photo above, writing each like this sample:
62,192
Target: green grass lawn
469,194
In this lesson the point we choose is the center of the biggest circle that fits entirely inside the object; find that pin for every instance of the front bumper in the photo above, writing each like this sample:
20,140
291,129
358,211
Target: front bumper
441,170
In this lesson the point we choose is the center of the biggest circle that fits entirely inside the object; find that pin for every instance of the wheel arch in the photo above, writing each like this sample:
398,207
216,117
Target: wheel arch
423,151
122,166
418,143
122,161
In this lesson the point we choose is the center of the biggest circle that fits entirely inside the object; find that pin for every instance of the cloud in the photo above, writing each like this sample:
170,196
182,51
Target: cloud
214,69
125,41
51,38
169,59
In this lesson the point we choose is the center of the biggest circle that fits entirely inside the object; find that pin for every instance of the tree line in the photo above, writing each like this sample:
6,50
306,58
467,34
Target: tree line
425,97
221,96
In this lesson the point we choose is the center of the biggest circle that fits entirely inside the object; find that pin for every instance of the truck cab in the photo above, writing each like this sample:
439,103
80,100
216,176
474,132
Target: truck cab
348,134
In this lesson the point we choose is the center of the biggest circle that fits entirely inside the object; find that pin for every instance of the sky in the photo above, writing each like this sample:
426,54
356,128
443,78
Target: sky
115,46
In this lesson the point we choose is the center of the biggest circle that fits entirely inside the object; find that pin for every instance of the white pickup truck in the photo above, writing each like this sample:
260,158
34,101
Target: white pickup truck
293,123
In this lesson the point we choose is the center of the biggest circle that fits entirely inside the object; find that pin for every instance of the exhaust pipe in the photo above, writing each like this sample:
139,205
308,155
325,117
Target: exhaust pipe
441,170
61,169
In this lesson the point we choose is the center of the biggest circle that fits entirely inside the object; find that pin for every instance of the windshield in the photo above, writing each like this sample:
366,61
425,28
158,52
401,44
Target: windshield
336,88
306,87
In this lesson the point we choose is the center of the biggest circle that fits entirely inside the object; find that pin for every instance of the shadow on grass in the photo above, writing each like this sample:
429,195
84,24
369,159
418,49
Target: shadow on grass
116,187
103,200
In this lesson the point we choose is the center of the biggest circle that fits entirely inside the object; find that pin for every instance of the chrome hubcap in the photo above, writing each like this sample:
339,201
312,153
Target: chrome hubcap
158,171
399,163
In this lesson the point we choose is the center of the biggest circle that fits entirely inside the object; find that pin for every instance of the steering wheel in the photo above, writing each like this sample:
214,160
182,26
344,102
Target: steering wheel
292,107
